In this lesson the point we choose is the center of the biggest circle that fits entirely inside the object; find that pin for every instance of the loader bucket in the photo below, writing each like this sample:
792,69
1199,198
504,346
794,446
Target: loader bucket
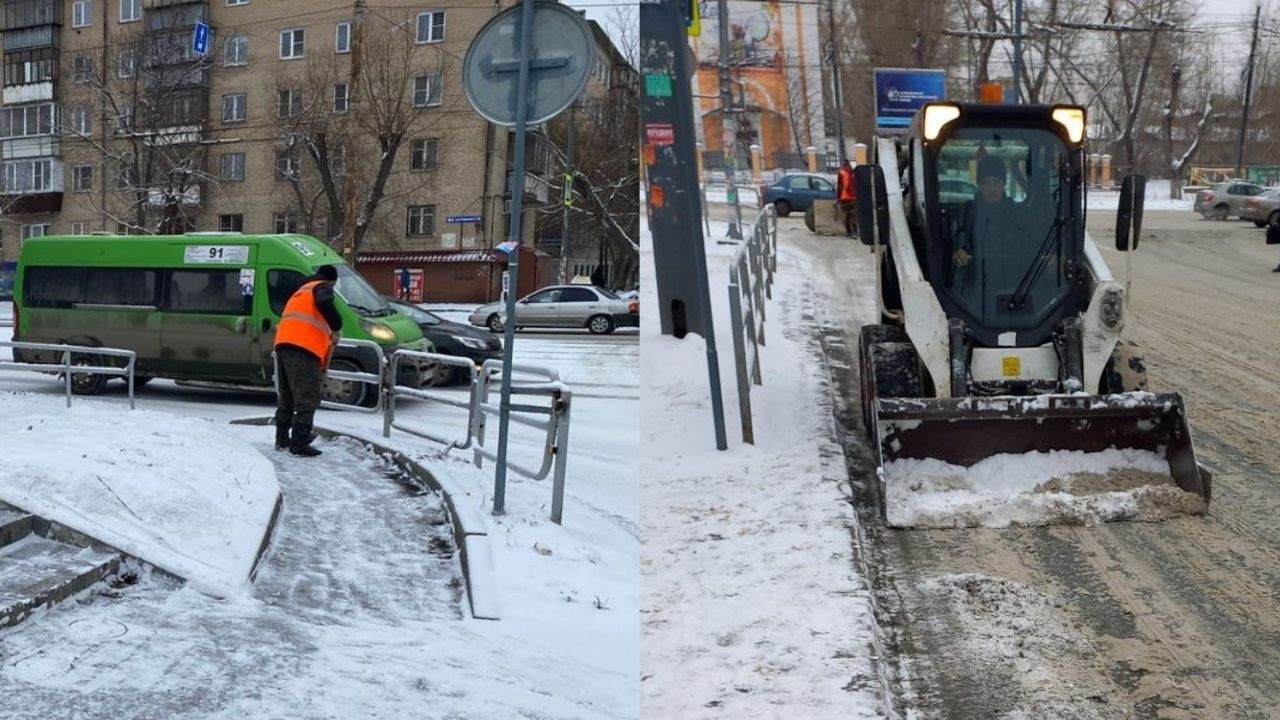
1049,459
824,217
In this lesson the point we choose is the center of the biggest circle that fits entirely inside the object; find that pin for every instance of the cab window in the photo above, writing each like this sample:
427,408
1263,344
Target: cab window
545,296
281,285
577,295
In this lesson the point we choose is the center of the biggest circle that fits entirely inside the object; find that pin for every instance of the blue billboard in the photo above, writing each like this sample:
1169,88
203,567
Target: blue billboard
900,93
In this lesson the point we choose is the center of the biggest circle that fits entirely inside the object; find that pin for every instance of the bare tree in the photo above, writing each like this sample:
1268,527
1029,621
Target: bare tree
399,95
150,101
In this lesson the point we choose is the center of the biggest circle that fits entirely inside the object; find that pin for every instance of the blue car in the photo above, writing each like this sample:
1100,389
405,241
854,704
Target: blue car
796,192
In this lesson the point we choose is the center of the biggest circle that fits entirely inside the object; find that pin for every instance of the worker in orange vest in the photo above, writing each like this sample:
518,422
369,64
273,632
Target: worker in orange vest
304,345
846,198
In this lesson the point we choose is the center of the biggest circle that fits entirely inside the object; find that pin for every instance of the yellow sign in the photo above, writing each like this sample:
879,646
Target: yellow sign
1011,366
694,24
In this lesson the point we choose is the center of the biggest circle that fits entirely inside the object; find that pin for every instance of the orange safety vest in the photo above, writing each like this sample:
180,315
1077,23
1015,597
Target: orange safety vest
845,192
303,326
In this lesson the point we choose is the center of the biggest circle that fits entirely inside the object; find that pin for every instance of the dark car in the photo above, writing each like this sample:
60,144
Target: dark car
796,192
451,338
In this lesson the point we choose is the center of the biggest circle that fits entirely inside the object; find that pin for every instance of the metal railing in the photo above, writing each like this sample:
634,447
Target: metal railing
559,412
376,380
451,399
750,284
87,352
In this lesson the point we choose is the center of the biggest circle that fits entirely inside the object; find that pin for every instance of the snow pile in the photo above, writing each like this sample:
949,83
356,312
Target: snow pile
1156,198
109,472
1057,487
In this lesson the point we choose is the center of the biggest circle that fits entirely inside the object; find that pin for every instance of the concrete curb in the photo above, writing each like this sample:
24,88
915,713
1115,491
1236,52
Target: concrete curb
470,529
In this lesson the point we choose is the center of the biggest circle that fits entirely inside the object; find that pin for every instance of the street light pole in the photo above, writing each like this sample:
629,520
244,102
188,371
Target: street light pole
730,124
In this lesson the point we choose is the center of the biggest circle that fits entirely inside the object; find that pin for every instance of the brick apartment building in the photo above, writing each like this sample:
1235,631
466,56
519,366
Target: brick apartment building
111,122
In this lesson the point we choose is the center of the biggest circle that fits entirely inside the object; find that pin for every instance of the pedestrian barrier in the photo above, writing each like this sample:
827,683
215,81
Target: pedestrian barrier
377,380
395,391
91,357
750,284
556,446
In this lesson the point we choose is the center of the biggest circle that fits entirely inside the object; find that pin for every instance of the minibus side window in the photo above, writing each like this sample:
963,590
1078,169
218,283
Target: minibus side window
212,292
281,284
116,286
53,287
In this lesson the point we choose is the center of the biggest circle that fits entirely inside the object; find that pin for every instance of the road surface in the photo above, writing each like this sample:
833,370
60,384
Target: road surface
1177,619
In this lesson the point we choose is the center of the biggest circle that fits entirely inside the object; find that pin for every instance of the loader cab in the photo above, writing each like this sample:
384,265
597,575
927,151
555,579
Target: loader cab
998,206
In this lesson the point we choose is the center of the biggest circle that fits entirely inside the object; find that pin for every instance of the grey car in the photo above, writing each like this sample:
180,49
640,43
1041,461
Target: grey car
1225,199
1262,209
564,306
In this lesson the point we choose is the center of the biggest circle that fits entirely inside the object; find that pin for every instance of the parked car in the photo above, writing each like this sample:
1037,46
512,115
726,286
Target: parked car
1263,208
450,338
1223,200
565,306
796,192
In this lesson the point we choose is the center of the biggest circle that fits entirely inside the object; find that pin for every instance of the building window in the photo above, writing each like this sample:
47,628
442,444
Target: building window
422,220
284,223
82,178
289,103
81,13
233,3
82,68
338,161
235,51
27,176
126,174
342,38
422,153
286,166
234,107
80,228
81,121
426,90
31,231
341,97
292,43
431,27
26,121
231,167
125,63
231,223
130,10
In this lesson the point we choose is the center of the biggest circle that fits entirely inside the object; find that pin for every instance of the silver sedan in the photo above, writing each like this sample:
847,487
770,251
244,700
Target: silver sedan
1262,209
1225,199
564,306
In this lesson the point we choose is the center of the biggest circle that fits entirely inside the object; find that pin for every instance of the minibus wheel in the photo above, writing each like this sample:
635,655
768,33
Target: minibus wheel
345,392
87,383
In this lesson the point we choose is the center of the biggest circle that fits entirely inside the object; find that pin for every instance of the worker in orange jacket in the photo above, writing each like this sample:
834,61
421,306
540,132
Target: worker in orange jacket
846,197
304,345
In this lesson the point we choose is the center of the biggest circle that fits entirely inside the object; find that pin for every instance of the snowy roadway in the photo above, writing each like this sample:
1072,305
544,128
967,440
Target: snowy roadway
1175,619
358,608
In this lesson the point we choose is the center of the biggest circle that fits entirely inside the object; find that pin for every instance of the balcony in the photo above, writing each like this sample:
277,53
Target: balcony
20,14
37,183
175,17
33,37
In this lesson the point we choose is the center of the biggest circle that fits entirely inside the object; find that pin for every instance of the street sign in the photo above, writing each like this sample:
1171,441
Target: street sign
900,93
461,219
200,39
560,55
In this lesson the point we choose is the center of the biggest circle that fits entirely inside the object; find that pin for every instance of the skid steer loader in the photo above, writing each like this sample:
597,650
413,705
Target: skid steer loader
999,355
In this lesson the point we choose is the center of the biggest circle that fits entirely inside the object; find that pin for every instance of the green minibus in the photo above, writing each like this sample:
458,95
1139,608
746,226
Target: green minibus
197,307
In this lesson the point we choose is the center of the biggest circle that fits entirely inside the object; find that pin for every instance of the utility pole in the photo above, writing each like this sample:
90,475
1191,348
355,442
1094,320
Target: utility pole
349,146
729,135
568,196
1017,52
1248,91
837,90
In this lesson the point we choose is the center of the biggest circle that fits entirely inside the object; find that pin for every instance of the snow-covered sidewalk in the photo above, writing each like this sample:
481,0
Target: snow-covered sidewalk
753,604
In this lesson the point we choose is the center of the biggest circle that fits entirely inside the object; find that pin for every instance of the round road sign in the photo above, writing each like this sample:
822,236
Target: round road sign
560,54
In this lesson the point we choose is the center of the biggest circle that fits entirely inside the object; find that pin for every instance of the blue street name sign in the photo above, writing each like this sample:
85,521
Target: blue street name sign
200,40
462,219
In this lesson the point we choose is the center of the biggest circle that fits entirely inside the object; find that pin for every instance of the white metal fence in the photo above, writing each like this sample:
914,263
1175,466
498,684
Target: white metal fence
750,284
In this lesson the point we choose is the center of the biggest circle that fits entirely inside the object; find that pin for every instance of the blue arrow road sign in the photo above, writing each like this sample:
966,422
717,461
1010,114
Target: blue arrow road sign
461,219
200,40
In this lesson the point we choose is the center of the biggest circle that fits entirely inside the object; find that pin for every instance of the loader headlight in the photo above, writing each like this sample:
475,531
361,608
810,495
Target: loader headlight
936,117
1112,310
1072,120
